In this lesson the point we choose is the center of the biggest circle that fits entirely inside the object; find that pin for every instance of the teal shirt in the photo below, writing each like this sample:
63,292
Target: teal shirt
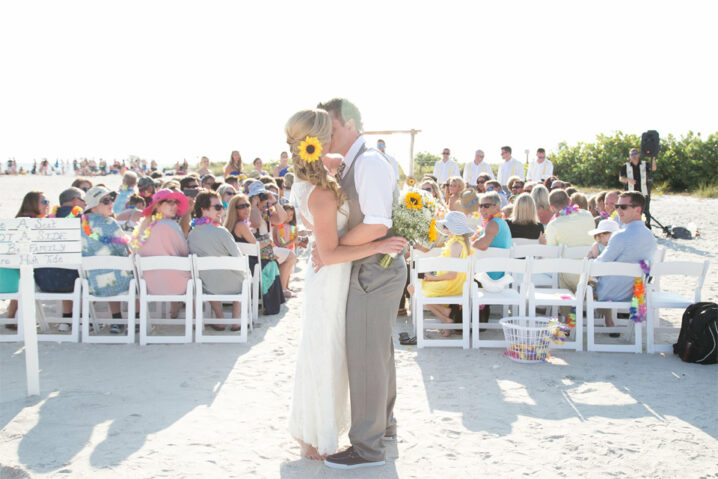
501,240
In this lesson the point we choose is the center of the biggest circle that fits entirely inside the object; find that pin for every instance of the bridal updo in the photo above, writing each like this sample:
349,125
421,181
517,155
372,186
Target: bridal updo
312,123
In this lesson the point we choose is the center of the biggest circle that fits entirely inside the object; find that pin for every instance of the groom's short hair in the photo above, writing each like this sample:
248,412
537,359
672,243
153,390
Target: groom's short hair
343,110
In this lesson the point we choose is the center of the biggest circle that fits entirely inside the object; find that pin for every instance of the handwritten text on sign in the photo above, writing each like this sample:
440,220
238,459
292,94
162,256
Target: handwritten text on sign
40,242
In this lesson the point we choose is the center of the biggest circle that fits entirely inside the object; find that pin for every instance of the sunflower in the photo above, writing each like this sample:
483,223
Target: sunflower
432,231
410,181
310,150
413,201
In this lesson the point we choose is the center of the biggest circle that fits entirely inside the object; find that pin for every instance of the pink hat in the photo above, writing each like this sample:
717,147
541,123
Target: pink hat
164,195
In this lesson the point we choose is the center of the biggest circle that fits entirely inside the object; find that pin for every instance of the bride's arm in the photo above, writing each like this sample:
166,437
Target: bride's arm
323,206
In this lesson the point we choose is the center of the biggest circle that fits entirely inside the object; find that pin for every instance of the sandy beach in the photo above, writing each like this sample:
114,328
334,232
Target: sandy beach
220,410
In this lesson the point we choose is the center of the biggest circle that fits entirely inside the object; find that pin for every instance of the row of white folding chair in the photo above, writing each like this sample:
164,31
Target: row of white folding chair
256,279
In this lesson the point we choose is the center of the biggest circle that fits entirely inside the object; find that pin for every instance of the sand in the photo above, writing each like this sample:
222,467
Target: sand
221,410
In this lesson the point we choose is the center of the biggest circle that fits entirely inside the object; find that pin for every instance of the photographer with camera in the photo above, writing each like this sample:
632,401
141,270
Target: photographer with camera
634,173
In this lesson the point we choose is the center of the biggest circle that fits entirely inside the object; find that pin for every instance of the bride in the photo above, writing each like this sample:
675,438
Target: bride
320,403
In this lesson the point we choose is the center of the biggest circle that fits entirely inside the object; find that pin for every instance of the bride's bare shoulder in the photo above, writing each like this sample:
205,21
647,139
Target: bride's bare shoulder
322,198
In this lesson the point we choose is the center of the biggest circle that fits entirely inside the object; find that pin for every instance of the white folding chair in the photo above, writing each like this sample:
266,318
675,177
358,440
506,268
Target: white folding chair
597,270
254,250
557,297
17,334
172,263
415,254
89,313
524,241
575,252
506,297
45,321
223,263
657,299
538,251
426,265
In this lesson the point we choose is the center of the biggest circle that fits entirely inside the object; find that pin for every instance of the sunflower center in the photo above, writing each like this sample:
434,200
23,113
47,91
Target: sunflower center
310,149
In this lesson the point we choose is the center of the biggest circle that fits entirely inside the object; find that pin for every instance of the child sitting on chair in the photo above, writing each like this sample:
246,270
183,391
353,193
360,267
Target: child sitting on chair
601,234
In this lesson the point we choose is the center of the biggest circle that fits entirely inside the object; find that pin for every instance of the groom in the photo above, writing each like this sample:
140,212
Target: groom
367,178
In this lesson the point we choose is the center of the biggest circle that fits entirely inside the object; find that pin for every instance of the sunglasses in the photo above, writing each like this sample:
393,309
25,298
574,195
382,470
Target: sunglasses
446,153
427,189
217,207
229,193
107,200
45,202
516,186
189,187
625,207
486,205
480,182
634,154
242,206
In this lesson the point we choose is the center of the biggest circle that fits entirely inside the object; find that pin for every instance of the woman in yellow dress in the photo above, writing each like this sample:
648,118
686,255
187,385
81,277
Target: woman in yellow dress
448,283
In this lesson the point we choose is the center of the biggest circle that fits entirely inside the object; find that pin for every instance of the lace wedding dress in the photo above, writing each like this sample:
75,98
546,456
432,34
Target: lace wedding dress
320,404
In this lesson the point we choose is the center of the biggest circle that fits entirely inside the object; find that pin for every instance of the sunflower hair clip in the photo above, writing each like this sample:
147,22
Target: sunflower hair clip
310,150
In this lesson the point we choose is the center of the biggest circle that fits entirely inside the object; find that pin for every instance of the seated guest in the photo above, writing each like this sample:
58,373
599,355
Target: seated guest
103,236
238,223
132,215
528,186
430,186
159,234
127,189
468,204
226,193
524,222
207,182
448,283
579,199
481,182
543,208
507,210
632,244
592,208
456,186
601,235
601,202
548,182
233,166
496,232
515,186
82,183
495,186
72,204
146,188
570,191
209,238
233,181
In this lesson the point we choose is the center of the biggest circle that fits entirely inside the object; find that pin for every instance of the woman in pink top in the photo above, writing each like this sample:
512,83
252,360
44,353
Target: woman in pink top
159,234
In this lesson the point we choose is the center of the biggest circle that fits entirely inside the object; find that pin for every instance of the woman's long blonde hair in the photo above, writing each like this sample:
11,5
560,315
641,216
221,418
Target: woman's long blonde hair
318,124
231,220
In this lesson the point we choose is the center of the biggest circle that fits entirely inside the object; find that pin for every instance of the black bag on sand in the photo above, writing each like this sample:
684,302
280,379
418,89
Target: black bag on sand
698,339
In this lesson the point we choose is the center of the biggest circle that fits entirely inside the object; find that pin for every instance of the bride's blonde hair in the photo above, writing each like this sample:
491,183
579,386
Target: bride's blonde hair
312,123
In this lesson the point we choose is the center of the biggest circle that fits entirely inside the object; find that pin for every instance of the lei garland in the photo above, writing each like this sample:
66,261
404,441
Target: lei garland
569,210
292,233
75,213
137,241
203,221
102,239
483,225
638,302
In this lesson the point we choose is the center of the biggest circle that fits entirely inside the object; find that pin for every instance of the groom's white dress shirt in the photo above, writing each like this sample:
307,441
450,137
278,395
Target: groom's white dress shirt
374,181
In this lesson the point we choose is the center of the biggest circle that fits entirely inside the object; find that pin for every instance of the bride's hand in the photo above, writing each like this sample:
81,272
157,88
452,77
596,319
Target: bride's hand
394,244
316,260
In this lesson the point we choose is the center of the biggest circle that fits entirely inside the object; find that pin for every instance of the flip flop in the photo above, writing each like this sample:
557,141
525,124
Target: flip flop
235,327
408,341
217,327
403,336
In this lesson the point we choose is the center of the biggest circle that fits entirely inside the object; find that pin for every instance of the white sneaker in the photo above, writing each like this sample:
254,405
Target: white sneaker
63,328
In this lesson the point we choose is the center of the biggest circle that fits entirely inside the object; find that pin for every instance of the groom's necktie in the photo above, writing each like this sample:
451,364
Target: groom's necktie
340,171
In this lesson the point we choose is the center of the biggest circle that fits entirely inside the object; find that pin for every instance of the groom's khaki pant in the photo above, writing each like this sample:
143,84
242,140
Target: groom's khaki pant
374,294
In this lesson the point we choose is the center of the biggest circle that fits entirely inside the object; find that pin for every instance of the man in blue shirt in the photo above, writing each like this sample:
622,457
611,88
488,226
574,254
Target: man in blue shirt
631,244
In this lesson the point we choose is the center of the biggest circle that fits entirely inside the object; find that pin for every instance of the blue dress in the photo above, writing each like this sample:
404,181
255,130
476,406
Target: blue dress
105,282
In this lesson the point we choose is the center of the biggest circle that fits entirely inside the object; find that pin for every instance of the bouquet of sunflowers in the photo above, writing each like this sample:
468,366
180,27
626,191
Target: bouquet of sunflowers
413,219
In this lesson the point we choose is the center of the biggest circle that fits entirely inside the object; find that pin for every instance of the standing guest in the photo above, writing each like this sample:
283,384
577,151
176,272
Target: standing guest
539,193
258,167
481,181
159,234
234,165
209,238
283,167
510,167
446,168
524,222
127,189
203,167
456,186
475,168
579,199
635,174
103,236
146,188
632,244
541,168
83,183
381,146
238,223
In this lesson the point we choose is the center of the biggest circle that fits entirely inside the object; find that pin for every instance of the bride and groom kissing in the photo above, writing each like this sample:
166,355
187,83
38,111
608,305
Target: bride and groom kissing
345,376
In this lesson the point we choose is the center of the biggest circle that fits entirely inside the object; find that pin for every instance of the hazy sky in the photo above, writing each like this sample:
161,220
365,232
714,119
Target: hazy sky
173,80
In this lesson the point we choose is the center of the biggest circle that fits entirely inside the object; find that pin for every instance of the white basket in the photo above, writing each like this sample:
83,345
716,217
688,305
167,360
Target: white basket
527,339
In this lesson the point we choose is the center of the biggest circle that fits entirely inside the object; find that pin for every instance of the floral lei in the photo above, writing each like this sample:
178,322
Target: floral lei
76,212
203,221
638,302
292,233
569,210
483,225
137,241
102,239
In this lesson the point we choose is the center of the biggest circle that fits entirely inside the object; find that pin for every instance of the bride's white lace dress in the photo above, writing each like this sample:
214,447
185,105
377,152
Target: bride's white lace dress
320,403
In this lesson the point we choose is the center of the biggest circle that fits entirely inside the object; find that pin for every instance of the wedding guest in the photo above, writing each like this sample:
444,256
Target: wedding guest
448,283
159,234
127,189
72,204
283,167
226,193
601,235
103,236
510,167
209,238
528,186
285,234
146,188
132,215
548,182
456,186
543,208
632,244
288,183
507,210
610,203
83,183
601,202
592,208
238,223
481,182
515,186
570,191
203,167
207,181
446,168
432,188
541,168
524,222
468,203
580,200
258,167
477,167
234,165
495,186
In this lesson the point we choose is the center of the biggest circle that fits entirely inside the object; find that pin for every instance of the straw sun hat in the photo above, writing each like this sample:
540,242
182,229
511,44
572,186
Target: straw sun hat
468,201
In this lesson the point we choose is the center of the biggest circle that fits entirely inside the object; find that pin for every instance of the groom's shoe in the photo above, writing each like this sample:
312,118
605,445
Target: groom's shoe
349,459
